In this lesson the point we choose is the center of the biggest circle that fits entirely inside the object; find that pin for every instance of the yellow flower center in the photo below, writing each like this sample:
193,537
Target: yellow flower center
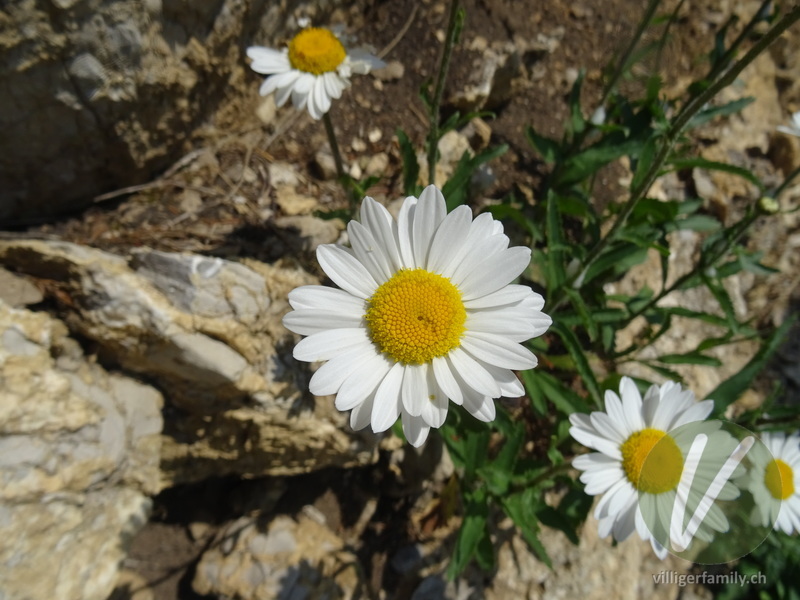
316,50
652,461
779,479
416,316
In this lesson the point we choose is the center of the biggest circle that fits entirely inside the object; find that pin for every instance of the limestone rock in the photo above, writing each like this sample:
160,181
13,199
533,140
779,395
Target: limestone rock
207,331
105,93
79,452
287,559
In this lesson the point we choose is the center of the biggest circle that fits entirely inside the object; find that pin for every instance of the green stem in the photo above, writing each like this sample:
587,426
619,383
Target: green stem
626,56
433,137
337,157
786,183
672,135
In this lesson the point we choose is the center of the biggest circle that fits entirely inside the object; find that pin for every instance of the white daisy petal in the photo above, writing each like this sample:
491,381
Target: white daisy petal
509,295
386,407
362,413
405,225
498,350
308,321
330,376
431,212
328,343
362,382
415,430
267,60
414,391
380,224
326,299
345,270
474,375
280,81
449,239
446,379
369,252
495,272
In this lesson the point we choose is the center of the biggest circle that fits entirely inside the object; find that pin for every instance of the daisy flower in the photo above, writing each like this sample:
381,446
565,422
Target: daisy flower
314,69
425,313
794,127
641,450
774,481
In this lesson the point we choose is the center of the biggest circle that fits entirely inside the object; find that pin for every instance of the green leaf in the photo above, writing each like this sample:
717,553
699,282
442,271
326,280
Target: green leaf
521,507
725,302
581,361
554,265
618,258
700,223
707,114
541,387
456,189
690,358
548,148
711,165
549,516
586,163
583,311
643,162
499,472
410,165
729,390
473,530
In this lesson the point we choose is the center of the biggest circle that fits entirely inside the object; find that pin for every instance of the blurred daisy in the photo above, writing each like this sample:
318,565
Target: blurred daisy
794,128
425,312
774,481
314,69
641,450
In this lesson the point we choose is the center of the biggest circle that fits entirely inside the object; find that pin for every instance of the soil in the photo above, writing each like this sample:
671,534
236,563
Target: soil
228,174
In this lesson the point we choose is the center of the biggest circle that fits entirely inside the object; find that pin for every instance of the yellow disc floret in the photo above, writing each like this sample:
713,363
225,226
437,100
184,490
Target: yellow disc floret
416,316
652,461
779,479
316,50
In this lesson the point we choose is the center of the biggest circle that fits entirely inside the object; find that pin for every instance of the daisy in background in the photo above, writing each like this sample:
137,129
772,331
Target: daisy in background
314,69
426,313
774,481
794,127
640,457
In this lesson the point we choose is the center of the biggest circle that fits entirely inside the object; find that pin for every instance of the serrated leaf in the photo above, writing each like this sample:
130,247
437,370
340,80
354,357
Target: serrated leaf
520,507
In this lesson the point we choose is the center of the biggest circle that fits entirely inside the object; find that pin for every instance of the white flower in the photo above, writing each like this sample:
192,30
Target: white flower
774,481
640,460
425,313
313,69
794,128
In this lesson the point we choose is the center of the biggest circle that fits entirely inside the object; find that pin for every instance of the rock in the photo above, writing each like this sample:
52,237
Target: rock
478,132
208,332
292,203
312,231
490,86
79,455
106,93
17,291
291,559
377,164
393,70
593,570
324,164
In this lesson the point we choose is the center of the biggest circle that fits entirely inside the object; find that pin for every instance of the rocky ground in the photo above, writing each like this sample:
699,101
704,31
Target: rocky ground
156,313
